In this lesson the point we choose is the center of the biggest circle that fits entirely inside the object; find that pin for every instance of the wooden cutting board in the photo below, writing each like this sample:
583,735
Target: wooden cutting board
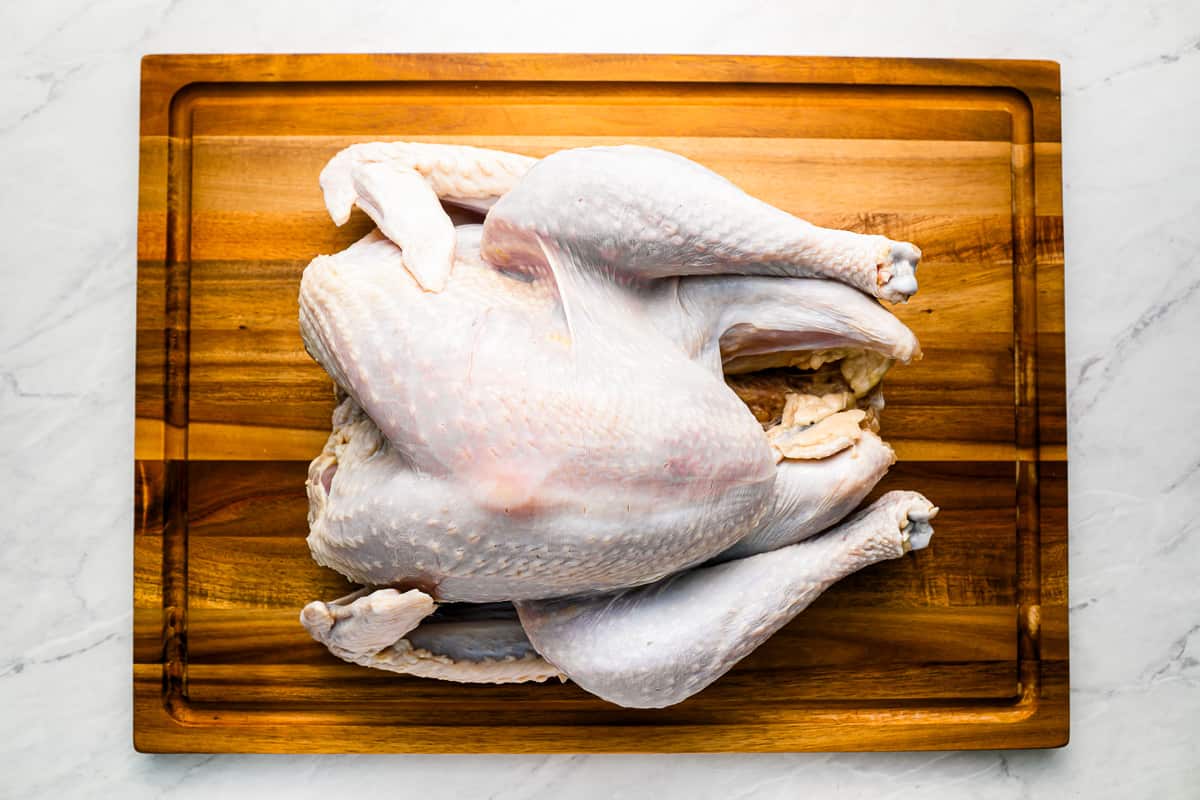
963,645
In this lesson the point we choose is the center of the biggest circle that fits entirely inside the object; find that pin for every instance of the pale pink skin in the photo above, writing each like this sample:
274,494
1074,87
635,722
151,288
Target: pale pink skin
514,472
691,628
639,212
535,408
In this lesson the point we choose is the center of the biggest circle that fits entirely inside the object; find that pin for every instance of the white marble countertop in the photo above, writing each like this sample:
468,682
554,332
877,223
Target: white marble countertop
1131,162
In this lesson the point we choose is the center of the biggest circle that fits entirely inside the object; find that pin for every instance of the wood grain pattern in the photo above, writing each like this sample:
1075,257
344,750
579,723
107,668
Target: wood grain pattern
963,645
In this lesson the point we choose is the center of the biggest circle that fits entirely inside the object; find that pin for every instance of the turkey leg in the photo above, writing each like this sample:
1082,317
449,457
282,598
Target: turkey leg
657,645
646,213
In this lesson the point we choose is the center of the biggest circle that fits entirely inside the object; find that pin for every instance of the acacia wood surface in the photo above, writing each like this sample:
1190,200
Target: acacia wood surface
962,645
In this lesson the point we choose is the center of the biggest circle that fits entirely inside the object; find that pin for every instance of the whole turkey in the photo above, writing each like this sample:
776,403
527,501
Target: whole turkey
613,430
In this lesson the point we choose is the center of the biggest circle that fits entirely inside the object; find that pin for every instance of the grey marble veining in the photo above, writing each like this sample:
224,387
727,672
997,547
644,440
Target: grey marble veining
68,193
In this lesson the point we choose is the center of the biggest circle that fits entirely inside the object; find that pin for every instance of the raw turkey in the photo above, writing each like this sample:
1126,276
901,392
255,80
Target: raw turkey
634,404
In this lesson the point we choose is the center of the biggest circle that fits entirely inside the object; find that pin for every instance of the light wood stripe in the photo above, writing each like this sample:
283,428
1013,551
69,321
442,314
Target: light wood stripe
212,441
